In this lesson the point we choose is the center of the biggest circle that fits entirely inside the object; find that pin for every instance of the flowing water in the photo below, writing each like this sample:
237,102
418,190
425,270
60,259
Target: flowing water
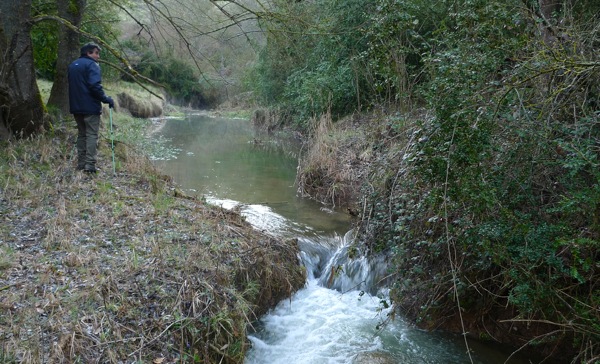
222,160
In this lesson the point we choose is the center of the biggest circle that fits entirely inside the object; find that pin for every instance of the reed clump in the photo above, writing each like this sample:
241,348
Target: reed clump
332,169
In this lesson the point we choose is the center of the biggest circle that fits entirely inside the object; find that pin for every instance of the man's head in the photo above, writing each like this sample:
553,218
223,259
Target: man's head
91,50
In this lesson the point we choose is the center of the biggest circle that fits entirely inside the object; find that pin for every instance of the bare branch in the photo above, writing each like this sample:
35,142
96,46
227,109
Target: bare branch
136,76
128,68
142,25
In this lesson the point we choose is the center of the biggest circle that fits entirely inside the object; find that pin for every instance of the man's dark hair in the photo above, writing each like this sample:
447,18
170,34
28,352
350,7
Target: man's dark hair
89,47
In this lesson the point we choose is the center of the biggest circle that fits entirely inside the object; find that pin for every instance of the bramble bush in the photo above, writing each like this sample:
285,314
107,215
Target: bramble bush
498,197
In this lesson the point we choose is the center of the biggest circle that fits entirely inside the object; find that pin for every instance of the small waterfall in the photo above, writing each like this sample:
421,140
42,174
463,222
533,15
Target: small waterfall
325,258
331,264
341,315
337,318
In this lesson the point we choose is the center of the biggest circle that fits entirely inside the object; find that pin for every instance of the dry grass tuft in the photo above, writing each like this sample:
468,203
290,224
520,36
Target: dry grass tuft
122,268
331,170
149,107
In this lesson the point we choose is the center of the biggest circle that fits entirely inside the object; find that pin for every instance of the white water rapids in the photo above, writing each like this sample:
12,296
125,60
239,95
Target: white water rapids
318,325
336,319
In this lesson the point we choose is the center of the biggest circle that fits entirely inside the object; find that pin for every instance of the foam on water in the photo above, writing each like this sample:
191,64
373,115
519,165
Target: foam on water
338,315
262,217
318,325
323,326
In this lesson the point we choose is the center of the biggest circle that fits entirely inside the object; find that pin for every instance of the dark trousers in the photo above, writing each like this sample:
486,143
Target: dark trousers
87,140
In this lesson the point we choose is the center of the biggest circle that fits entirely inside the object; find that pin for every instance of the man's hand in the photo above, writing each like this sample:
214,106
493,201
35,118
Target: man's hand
110,102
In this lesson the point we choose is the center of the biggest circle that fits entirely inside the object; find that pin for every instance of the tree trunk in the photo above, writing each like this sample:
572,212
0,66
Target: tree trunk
21,108
68,50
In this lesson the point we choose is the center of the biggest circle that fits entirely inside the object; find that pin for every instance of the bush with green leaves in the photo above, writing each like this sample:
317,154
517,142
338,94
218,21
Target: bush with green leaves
311,64
179,77
45,40
344,56
494,208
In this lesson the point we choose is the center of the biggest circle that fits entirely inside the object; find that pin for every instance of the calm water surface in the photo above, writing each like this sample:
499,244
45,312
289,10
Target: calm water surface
221,159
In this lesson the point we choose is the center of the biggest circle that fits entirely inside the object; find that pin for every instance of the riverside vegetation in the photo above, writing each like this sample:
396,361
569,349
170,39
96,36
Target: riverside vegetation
465,136
125,267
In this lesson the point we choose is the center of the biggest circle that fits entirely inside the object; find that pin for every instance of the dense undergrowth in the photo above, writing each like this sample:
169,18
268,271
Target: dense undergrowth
124,267
477,157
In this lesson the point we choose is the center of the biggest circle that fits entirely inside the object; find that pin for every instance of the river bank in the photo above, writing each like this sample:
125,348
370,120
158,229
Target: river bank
124,267
451,268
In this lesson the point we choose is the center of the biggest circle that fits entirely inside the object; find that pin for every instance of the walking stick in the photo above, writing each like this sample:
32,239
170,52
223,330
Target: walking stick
112,142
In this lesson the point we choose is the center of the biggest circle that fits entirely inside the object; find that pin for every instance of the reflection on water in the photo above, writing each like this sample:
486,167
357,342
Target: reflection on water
220,158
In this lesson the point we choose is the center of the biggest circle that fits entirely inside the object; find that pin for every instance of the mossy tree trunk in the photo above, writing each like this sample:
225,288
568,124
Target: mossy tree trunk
21,109
68,50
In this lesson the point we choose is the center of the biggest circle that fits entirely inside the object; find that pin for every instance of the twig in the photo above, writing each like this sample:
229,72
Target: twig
527,343
158,336
450,248
9,286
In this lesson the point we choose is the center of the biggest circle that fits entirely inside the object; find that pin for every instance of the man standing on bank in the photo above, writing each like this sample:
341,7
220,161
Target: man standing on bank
86,96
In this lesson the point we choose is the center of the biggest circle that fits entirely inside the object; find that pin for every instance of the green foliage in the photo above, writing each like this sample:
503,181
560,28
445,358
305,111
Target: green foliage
44,37
329,86
45,40
397,38
311,64
180,79
178,76
499,189
99,19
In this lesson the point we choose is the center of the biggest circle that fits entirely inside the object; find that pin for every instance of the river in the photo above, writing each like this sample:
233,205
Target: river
222,160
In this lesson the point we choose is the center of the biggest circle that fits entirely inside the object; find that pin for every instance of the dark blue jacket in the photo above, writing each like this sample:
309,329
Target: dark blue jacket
85,87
